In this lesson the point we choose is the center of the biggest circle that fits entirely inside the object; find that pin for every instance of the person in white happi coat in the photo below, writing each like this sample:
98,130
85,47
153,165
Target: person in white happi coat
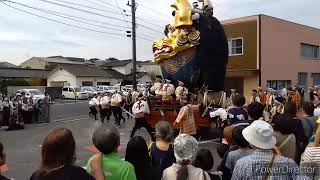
140,109
167,90
105,107
156,88
116,101
181,91
93,105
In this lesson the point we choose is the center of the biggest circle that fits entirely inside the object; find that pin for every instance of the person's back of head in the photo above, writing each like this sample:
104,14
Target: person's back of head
308,108
238,138
255,110
2,155
164,131
204,160
290,108
137,151
238,100
58,149
106,138
185,151
283,123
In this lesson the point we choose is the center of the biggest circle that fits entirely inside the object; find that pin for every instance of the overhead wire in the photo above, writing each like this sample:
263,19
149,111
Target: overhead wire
66,17
60,22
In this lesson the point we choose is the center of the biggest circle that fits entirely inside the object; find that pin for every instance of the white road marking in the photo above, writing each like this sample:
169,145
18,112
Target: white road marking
69,103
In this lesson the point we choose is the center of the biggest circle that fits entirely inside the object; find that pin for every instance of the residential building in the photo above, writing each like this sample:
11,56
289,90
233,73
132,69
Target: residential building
270,52
142,78
82,75
125,67
50,62
7,65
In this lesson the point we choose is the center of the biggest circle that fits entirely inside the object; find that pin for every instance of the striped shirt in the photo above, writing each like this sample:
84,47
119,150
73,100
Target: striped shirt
310,163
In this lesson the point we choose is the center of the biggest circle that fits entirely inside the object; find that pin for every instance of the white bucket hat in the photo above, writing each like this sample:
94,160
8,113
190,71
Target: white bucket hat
260,134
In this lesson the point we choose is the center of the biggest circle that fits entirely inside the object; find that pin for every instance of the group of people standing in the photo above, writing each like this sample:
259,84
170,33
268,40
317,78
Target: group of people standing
17,110
165,90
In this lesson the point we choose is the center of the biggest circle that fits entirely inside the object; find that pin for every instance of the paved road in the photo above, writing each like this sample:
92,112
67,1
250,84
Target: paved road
62,110
23,147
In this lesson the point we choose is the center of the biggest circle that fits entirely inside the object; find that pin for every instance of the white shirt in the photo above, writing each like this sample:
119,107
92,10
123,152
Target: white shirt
94,102
156,87
140,108
167,89
1,105
181,92
105,100
194,173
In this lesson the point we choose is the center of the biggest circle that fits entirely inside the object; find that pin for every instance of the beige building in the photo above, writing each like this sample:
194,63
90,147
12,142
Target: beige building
270,52
44,62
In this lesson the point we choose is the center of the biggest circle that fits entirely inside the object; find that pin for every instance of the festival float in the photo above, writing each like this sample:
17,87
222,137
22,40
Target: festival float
195,52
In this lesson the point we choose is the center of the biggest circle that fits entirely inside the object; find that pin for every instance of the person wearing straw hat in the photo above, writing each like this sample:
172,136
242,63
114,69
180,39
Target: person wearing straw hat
263,163
185,151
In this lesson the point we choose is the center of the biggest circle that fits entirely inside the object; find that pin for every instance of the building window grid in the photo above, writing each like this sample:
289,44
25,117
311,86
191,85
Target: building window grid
235,46
309,51
316,78
303,79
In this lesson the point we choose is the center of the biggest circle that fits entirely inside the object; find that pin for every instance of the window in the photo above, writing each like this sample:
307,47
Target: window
65,89
87,83
316,79
277,84
103,83
303,79
309,51
235,46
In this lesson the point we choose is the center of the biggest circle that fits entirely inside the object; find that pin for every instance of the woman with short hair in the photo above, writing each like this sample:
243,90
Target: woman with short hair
161,152
58,158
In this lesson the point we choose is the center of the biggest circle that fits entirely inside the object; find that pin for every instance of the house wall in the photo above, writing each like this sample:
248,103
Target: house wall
145,79
95,80
280,55
61,76
34,63
152,69
120,69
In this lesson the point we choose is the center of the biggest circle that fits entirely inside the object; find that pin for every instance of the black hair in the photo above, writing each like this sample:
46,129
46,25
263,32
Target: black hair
254,90
2,158
255,110
238,100
204,160
284,124
238,138
290,108
106,138
308,108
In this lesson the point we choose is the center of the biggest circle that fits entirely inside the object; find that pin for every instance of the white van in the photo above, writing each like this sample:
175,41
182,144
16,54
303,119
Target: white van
69,92
107,89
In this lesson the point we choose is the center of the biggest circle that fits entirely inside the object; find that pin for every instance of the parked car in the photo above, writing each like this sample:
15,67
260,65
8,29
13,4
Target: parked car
36,94
107,89
71,92
92,91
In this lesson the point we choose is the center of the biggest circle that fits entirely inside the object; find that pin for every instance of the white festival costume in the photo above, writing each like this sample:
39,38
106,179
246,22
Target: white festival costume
94,102
140,108
181,92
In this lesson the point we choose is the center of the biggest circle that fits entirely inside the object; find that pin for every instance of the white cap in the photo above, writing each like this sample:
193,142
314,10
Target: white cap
219,112
260,134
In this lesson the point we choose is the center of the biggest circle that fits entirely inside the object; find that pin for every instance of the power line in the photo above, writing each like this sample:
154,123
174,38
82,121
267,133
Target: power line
67,24
58,14
124,18
82,10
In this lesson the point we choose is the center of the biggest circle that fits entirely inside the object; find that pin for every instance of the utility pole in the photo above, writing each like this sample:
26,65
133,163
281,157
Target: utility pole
134,44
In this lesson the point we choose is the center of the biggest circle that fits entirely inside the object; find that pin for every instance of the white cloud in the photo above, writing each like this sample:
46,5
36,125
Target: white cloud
23,36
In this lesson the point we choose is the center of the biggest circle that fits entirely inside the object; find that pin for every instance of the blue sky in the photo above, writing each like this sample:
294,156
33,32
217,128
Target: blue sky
23,36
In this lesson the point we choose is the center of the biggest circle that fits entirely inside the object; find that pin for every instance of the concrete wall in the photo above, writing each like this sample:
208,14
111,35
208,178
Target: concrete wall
145,79
34,63
152,69
280,55
62,76
120,69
